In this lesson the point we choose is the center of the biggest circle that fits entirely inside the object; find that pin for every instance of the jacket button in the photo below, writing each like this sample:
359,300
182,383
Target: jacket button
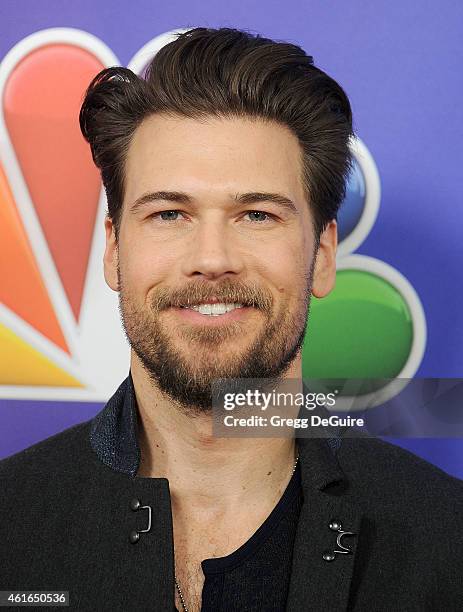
328,556
335,525
134,537
135,504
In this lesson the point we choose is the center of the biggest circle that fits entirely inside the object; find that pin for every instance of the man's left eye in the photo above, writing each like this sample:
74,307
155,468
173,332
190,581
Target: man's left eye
268,216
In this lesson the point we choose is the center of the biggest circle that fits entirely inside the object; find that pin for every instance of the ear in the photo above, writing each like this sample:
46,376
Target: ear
324,277
110,258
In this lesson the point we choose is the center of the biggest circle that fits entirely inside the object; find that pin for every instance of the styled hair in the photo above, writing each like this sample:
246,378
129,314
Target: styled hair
225,73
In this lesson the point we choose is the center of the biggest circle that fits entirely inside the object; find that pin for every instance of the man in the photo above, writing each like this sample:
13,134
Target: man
224,168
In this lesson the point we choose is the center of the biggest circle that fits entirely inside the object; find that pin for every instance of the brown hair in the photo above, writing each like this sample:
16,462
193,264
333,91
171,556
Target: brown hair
225,72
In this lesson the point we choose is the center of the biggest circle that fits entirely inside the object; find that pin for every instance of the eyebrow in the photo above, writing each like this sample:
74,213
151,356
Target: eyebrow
243,198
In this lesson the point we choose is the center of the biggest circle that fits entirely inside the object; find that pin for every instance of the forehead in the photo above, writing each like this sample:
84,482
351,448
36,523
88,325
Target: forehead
214,154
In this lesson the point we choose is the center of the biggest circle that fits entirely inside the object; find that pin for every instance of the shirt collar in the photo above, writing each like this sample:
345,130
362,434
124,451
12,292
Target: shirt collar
114,438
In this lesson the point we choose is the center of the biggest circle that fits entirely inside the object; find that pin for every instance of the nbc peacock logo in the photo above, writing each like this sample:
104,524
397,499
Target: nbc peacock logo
60,333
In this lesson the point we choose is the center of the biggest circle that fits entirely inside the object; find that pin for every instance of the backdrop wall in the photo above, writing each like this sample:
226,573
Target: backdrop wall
400,64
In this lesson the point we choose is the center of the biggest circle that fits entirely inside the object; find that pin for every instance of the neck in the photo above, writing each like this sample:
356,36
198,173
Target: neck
205,471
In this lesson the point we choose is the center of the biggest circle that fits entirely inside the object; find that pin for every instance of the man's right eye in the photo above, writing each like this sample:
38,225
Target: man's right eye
167,215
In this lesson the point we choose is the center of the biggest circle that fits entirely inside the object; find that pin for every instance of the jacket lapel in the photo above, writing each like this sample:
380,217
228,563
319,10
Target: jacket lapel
318,583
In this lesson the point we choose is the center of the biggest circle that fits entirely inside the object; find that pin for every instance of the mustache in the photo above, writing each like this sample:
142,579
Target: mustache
228,292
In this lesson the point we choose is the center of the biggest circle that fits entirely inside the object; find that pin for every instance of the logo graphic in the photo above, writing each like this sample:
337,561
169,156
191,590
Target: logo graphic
60,334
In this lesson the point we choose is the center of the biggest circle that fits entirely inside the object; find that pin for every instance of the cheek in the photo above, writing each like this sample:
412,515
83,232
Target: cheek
289,264
141,268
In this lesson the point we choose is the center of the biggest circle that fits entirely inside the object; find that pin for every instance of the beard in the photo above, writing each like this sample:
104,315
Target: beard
187,379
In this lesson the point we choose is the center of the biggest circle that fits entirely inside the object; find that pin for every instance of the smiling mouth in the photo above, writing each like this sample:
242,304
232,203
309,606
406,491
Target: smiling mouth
214,309
213,314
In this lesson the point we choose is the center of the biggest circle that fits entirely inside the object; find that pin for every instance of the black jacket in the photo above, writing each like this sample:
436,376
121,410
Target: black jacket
66,524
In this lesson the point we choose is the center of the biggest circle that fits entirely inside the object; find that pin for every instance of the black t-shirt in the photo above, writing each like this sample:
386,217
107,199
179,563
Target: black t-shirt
255,577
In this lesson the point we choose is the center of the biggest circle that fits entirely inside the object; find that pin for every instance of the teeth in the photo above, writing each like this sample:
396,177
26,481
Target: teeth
214,310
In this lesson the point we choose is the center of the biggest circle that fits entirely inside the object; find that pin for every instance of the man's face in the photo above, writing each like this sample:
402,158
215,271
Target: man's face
228,223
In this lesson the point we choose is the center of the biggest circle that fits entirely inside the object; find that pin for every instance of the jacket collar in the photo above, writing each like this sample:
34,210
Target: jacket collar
114,431
114,438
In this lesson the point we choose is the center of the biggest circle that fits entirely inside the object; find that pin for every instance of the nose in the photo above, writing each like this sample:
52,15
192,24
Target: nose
213,251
